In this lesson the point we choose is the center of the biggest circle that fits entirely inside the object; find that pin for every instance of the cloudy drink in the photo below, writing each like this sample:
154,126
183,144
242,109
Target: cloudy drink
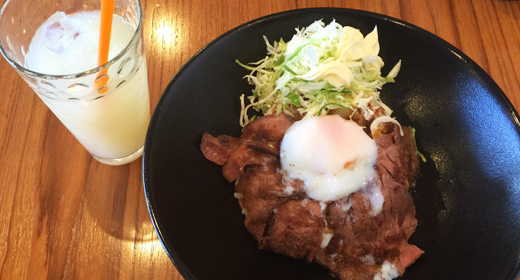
110,125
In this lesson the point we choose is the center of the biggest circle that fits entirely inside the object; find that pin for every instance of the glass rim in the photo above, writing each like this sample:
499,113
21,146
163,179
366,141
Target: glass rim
95,70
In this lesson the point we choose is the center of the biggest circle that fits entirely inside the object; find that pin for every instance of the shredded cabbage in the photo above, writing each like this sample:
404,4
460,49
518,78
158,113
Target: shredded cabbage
323,67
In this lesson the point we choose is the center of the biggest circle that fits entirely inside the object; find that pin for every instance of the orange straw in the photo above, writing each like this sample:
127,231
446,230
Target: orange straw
105,30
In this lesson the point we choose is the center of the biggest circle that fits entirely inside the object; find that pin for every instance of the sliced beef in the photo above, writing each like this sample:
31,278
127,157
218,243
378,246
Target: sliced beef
283,219
267,128
258,145
294,229
256,194
246,155
397,156
383,237
218,149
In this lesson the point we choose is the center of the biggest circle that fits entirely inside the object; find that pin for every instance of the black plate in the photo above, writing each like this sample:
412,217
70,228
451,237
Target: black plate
467,195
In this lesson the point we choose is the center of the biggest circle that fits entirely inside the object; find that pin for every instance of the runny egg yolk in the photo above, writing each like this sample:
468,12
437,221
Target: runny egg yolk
333,157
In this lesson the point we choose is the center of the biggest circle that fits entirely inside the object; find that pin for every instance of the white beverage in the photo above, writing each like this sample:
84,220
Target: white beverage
111,125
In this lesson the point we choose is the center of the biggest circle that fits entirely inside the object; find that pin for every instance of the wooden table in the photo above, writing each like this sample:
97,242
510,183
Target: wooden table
63,215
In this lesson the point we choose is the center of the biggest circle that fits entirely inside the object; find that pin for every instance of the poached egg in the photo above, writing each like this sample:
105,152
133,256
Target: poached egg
333,157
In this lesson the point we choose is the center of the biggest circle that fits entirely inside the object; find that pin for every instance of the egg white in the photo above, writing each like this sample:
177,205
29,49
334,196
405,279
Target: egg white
333,157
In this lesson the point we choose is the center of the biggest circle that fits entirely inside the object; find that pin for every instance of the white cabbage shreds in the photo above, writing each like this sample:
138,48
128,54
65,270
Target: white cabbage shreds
323,67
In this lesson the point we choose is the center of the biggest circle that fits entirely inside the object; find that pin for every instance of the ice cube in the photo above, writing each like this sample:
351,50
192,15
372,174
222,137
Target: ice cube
58,32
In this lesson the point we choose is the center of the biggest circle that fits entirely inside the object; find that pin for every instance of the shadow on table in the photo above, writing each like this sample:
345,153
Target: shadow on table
115,200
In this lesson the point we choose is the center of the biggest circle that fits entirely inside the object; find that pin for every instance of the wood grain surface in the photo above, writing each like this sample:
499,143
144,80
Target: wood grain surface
63,215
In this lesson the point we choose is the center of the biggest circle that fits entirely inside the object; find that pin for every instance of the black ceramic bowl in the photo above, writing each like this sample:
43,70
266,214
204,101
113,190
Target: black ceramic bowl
467,194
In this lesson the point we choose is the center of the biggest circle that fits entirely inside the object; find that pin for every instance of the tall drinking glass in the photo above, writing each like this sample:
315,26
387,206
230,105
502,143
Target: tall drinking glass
108,112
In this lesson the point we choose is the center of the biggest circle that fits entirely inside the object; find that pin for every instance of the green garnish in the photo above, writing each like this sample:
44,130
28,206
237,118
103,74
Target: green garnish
280,60
321,64
294,99
290,70
335,104
415,143
245,66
